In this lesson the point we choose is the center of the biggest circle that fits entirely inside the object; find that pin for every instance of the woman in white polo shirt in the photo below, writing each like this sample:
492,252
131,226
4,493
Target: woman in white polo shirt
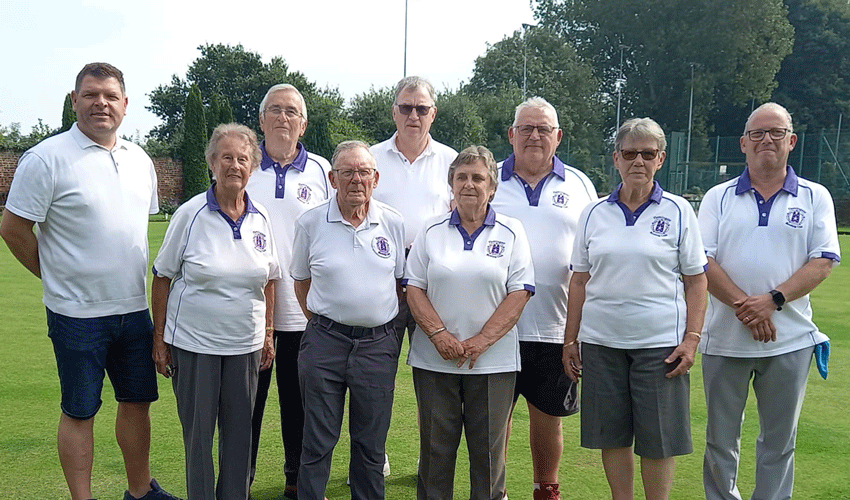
636,303
469,275
212,299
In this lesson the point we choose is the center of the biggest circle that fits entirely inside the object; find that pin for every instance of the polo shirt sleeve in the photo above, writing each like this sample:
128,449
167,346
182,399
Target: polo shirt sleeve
520,268
154,208
31,192
709,220
692,259
169,259
824,240
399,236
299,267
580,261
416,273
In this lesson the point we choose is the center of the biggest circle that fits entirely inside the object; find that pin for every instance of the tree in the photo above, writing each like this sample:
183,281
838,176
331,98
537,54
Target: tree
372,112
69,116
814,81
734,58
195,177
457,123
550,68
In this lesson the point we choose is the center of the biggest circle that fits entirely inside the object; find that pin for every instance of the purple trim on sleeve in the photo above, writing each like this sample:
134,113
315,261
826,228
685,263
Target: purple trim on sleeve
404,281
528,288
469,240
153,271
705,268
830,255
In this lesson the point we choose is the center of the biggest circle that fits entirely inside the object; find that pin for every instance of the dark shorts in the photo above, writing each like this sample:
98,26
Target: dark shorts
86,348
542,380
626,399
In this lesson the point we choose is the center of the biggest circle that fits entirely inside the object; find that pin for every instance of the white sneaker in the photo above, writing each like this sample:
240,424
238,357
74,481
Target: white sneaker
386,469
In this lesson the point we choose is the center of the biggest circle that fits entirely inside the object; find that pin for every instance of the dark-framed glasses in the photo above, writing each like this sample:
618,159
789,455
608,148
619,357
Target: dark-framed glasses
277,111
406,109
775,134
348,173
527,130
631,154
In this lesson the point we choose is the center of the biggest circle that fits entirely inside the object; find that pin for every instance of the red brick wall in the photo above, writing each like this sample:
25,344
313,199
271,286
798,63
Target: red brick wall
169,174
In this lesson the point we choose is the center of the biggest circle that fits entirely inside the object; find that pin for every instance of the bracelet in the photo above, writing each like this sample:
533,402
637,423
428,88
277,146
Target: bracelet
699,336
570,343
438,330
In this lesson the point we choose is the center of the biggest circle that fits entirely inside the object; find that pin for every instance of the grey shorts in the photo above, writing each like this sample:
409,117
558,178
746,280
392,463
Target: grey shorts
626,399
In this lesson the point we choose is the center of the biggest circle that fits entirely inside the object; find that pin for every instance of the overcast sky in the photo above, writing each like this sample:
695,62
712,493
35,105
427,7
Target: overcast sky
347,44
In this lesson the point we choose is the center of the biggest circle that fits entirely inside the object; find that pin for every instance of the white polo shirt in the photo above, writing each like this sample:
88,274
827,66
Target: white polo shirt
549,213
760,243
219,269
418,190
635,297
466,277
353,271
91,208
287,192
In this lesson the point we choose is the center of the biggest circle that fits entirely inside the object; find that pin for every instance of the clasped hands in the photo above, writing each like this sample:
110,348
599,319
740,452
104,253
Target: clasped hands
450,347
755,312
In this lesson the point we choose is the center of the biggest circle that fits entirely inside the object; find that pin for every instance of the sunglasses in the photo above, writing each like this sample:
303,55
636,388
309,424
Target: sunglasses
406,109
631,154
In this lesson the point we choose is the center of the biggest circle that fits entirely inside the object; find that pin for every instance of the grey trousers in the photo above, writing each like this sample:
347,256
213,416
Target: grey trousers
329,364
212,388
448,405
779,383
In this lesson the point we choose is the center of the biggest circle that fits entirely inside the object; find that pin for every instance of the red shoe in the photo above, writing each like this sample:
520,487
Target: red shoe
547,491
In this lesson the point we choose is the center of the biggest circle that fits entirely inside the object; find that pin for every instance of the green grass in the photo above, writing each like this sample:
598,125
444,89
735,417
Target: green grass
29,411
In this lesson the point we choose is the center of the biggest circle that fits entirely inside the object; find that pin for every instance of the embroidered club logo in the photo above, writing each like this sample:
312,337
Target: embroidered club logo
259,241
660,226
560,199
795,217
381,246
304,193
495,248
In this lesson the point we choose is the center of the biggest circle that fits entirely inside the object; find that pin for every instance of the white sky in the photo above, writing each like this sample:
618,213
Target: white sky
347,44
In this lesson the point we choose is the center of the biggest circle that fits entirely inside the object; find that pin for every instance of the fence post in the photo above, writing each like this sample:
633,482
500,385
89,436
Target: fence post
820,153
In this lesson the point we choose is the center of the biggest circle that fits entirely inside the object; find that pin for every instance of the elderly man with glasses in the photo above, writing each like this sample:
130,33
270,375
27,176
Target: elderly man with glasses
290,181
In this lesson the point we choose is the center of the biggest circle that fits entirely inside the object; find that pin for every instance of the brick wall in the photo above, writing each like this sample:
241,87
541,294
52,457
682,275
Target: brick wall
169,174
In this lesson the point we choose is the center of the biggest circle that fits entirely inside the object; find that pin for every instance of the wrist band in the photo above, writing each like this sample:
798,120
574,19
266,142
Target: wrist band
570,343
699,336
438,330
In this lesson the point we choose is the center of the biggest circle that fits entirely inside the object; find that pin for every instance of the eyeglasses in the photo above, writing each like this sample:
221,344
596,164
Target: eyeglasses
527,130
406,109
364,173
277,110
775,134
631,154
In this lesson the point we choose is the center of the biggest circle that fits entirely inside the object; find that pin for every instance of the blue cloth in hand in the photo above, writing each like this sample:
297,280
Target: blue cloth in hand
822,358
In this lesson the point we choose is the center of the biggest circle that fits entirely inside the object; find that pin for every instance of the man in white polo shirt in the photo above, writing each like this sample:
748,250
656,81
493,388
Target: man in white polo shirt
90,194
547,197
413,169
347,260
290,181
770,237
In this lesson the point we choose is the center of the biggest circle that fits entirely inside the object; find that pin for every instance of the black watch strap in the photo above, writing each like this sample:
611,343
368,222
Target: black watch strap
778,299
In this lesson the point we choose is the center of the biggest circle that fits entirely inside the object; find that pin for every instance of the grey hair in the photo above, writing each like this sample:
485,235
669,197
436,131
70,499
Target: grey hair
346,146
772,106
412,83
472,154
236,130
278,88
640,128
537,103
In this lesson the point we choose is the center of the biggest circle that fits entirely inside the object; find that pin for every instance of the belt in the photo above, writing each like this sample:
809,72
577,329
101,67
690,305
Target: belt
353,332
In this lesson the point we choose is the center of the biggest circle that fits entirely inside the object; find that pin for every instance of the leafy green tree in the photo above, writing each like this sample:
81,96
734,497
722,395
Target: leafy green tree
814,81
195,171
211,113
11,138
497,114
225,112
457,123
69,116
372,112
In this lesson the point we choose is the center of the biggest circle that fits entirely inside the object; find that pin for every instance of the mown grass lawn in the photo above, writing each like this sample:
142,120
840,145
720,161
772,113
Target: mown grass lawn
29,410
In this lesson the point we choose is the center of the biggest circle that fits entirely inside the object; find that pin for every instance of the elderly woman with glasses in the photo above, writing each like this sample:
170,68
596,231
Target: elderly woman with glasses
469,276
636,303
212,299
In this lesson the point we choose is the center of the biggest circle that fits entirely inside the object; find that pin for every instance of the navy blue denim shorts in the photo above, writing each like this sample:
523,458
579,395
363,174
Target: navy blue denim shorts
87,348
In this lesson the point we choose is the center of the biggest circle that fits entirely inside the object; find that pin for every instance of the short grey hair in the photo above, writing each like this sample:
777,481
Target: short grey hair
472,154
640,128
771,106
537,103
346,146
279,88
235,130
412,83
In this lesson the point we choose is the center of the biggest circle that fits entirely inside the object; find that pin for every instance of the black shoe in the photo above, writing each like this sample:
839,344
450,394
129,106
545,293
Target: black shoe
155,493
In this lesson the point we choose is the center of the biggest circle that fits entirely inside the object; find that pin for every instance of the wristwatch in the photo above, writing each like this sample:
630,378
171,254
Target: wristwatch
778,299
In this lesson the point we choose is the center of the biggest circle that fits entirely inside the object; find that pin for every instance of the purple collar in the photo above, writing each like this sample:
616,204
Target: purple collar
214,206
508,167
298,163
489,219
655,196
790,185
